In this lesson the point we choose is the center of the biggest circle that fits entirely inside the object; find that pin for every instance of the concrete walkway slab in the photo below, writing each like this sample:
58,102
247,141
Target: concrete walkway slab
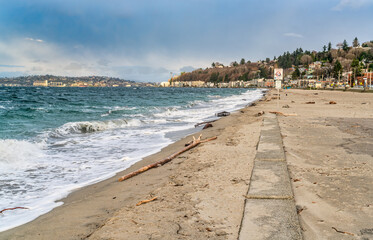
270,211
270,219
270,179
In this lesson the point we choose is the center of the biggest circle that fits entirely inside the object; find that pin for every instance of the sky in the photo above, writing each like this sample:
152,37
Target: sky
148,40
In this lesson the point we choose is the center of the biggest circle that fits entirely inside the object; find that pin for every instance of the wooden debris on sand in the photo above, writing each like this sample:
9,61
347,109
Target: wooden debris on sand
259,113
166,160
310,102
208,125
332,102
201,123
7,209
146,201
284,114
338,231
223,114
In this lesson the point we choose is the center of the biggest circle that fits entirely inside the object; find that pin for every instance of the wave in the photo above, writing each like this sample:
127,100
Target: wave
93,126
17,152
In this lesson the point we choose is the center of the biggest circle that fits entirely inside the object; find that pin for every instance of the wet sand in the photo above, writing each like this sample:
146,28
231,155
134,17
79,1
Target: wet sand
200,194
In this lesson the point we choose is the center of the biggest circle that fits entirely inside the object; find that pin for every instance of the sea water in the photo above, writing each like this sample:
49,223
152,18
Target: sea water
56,140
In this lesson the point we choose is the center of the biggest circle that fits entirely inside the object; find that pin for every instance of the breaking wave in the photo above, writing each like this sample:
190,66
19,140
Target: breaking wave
93,126
17,152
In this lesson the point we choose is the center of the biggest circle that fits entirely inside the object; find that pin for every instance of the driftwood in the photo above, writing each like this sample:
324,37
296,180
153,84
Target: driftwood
332,102
284,114
208,125
338,231
259,113
146,201
166,160
198,124
223,114
6,209
310,102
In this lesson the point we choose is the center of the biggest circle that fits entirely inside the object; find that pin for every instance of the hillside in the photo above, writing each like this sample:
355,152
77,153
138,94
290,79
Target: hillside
329,63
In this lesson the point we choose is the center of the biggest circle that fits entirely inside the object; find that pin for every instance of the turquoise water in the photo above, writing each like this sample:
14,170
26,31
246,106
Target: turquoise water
55,140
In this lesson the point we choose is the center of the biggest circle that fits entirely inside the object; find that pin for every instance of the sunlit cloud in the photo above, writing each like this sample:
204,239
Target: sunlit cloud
35,40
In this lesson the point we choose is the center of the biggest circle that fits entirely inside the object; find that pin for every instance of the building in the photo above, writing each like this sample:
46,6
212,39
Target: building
165,84
40,83
56,84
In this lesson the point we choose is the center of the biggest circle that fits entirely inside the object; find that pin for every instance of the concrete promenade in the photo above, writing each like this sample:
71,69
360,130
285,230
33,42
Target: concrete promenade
270,211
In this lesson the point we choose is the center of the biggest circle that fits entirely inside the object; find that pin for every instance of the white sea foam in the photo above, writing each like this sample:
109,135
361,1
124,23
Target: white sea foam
15,153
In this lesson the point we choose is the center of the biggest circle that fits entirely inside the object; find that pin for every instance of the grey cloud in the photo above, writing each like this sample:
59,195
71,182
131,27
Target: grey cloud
74,66
187,69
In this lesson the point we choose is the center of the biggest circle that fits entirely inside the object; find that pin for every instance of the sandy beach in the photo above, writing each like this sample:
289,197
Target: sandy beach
200,194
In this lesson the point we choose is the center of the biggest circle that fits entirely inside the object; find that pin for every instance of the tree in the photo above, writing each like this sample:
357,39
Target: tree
242,62
295,74
306,59
214,77
337,69
213,64
263,72
226,78
324,48
268,60
329,46
356,67
234,64
345,45
355,43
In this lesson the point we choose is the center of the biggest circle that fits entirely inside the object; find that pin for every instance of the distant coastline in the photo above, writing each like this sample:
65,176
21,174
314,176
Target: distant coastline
63,81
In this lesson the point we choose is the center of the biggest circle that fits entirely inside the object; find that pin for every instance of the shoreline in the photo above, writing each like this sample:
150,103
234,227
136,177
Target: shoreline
201,193
76,198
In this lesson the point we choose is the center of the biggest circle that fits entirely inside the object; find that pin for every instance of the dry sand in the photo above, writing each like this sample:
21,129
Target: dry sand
329,149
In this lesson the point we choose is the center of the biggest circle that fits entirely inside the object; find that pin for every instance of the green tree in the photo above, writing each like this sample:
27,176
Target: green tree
263,72
355,43
268,60
356,67
329,46
337,69
324,48
345,45
213,64
214,77
242,62
295,74
226,78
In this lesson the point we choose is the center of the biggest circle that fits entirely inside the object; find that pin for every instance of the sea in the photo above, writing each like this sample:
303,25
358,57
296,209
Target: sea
56,140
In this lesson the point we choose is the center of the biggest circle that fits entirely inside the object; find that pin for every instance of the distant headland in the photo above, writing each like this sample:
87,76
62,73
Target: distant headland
63,81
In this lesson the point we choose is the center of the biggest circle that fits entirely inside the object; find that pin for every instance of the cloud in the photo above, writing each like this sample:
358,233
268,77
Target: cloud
34,40
351,4
187,69
296,35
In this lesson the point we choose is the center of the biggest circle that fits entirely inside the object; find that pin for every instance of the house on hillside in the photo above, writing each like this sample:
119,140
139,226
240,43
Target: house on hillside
315,65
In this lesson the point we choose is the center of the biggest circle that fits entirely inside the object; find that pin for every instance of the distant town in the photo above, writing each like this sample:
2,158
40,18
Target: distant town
58,81
342,66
